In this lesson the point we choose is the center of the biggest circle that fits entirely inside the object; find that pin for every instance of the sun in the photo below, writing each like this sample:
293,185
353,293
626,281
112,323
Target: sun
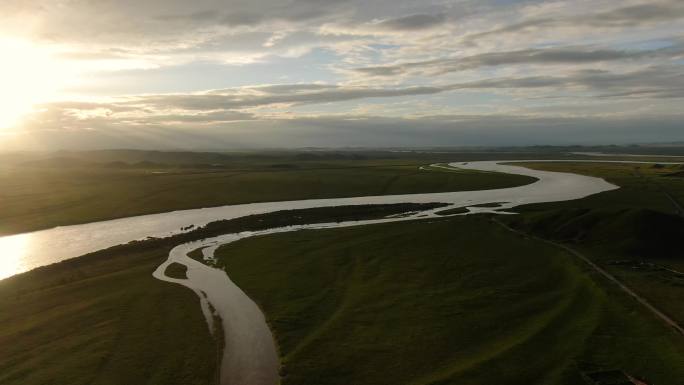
29,75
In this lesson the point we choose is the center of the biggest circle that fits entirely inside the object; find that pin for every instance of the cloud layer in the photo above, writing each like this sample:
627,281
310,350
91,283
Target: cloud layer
305,72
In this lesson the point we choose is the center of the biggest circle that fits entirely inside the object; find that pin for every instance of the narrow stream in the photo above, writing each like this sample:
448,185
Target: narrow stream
249,356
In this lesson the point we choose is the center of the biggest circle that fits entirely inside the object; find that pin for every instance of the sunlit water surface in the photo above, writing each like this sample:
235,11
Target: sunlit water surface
23,252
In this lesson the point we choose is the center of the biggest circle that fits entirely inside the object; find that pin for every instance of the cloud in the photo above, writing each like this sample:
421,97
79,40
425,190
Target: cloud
653,82
274,102
412,22
632,16
269,101
248,97
169,25
564,55
637,15
388,66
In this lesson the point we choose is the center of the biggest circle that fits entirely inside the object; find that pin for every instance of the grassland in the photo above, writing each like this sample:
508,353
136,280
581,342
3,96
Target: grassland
450,301
37,196
634,232
444,301
103,319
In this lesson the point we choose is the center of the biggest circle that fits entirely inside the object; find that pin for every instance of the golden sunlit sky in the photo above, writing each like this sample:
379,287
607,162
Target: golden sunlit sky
211,74
28,75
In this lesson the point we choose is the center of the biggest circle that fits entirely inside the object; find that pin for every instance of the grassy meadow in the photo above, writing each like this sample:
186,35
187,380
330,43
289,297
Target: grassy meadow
447,301
103,319
634,232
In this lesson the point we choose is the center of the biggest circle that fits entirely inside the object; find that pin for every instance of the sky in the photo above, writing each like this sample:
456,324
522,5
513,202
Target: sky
232,74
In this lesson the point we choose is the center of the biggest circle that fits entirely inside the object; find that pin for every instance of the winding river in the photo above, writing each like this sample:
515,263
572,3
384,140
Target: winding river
250,356
23,252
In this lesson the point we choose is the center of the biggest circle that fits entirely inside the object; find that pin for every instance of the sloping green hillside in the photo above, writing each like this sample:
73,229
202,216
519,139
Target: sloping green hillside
449,301
632,232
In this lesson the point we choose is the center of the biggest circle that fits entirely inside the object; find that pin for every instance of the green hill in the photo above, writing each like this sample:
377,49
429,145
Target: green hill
639,233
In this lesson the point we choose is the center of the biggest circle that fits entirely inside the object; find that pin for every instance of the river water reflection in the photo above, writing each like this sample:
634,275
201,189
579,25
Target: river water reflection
23,252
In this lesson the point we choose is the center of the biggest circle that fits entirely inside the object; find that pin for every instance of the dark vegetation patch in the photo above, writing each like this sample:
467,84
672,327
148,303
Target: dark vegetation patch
486,205
457,210
310,216
641,233
463,210
608,377
678,174
176,270
284,166
196,255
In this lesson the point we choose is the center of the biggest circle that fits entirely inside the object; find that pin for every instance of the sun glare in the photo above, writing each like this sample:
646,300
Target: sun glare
28,75
13,248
